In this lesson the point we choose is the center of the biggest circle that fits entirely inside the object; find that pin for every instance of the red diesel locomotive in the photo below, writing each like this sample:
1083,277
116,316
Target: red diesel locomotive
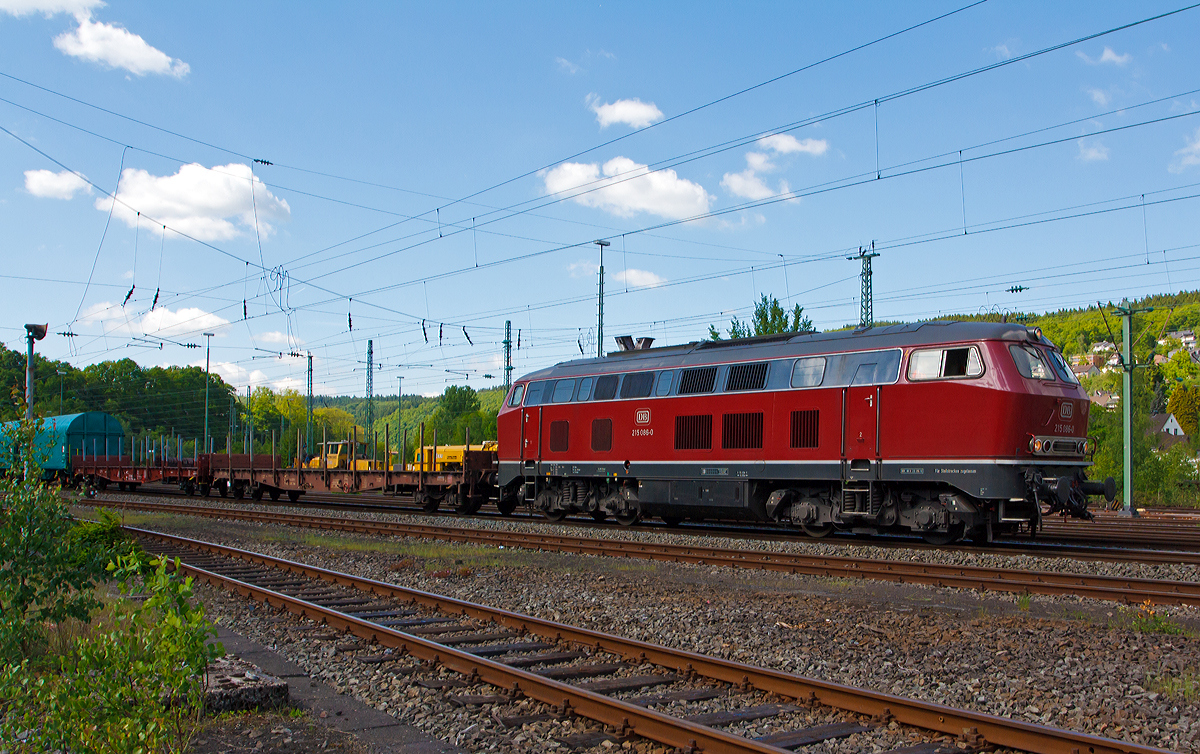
945,429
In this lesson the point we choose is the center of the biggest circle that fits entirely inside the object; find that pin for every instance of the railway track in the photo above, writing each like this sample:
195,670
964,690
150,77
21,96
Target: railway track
1071,544
604,677
1116,589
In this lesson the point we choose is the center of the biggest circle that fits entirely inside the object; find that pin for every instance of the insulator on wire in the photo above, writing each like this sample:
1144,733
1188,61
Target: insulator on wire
129,295
440,327
518,339
156,292
468,337
424,332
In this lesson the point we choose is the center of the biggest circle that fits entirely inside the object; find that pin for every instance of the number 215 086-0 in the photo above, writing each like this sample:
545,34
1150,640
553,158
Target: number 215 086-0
649,432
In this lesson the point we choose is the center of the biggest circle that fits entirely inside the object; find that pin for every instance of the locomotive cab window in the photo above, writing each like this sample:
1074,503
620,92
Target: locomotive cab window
1030,363
564,390
517,394
944,363
534,393
808,372
1064,371
664,383
606,387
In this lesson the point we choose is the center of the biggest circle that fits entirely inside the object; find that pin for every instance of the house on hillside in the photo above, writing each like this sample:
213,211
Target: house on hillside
1186,338
1085,370
1166,430
1103,347
1104,399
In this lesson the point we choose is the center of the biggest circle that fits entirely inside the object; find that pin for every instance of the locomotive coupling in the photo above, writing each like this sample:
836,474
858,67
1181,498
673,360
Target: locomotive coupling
1108,488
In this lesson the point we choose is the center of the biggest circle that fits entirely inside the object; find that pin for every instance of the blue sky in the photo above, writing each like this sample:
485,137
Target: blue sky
436,167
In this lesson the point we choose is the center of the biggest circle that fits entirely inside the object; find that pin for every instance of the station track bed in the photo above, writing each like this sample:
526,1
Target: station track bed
1109,588
627,685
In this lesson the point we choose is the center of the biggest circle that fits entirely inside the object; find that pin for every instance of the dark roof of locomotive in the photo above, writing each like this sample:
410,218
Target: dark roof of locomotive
792,345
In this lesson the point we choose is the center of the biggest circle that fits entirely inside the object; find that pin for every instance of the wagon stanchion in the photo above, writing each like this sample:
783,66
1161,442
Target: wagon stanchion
421,463
274,463
387,457
354,460
325,456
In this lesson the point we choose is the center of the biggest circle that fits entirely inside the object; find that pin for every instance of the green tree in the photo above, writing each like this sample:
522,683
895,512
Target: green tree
1185,405
769,318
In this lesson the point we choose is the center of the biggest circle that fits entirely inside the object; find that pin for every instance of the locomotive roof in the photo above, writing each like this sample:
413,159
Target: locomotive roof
787,345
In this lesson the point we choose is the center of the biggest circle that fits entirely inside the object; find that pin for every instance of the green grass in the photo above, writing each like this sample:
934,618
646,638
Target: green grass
1146,620
1024,601
1183,686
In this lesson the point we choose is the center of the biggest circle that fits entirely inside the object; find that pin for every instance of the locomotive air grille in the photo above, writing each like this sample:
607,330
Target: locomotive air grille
805,428
742,430
559,436
747,377
601,435
700,380
693,432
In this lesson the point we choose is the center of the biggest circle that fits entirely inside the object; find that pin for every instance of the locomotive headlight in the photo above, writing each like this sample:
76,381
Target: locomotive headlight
1035,445
1083,447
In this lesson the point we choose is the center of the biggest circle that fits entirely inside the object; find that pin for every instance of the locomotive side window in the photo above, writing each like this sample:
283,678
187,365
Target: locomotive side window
637,385
864,368
601,435
698,380
747,376
808,372
935,363
559,436
517,394
564,390
585,389
606,388
664,383
1063,370
1030,363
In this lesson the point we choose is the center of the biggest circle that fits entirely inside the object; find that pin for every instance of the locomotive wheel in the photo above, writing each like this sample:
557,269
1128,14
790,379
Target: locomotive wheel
274,493
672,521
294,495
507,505
939,538
817,531
599,515
627,519
555,515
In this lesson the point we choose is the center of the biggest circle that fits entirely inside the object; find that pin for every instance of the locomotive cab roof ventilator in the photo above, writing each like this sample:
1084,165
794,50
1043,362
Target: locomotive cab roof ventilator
627,343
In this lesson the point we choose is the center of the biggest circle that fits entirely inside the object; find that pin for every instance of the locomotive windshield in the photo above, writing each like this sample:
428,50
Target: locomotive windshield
1030,363
1064,371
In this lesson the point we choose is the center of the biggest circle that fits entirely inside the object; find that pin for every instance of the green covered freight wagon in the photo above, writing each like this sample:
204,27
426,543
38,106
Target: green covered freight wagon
63,437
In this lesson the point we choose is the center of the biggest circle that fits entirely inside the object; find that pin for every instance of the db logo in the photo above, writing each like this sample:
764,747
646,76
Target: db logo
642,416
1066,410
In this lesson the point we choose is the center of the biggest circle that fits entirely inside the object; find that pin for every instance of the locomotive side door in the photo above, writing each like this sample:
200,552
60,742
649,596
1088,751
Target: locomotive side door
531,436
860,442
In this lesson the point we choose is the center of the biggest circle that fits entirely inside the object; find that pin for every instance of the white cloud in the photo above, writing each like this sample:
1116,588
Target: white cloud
238,375
1108,56
276,336
628,187
632,112
77,8
746,185
49,185
183,322
788,144
198,201
1093,152
583,269
567,65
1002,52
640,278
1187,157
1100,97
117,47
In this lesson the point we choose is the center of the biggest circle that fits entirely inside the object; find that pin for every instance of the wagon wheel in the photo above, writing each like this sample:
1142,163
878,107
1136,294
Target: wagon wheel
938,538
205,489
427,502
239,492
223,489
672,521
817,531
274,493
294,495
257,493
628,518
507,505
